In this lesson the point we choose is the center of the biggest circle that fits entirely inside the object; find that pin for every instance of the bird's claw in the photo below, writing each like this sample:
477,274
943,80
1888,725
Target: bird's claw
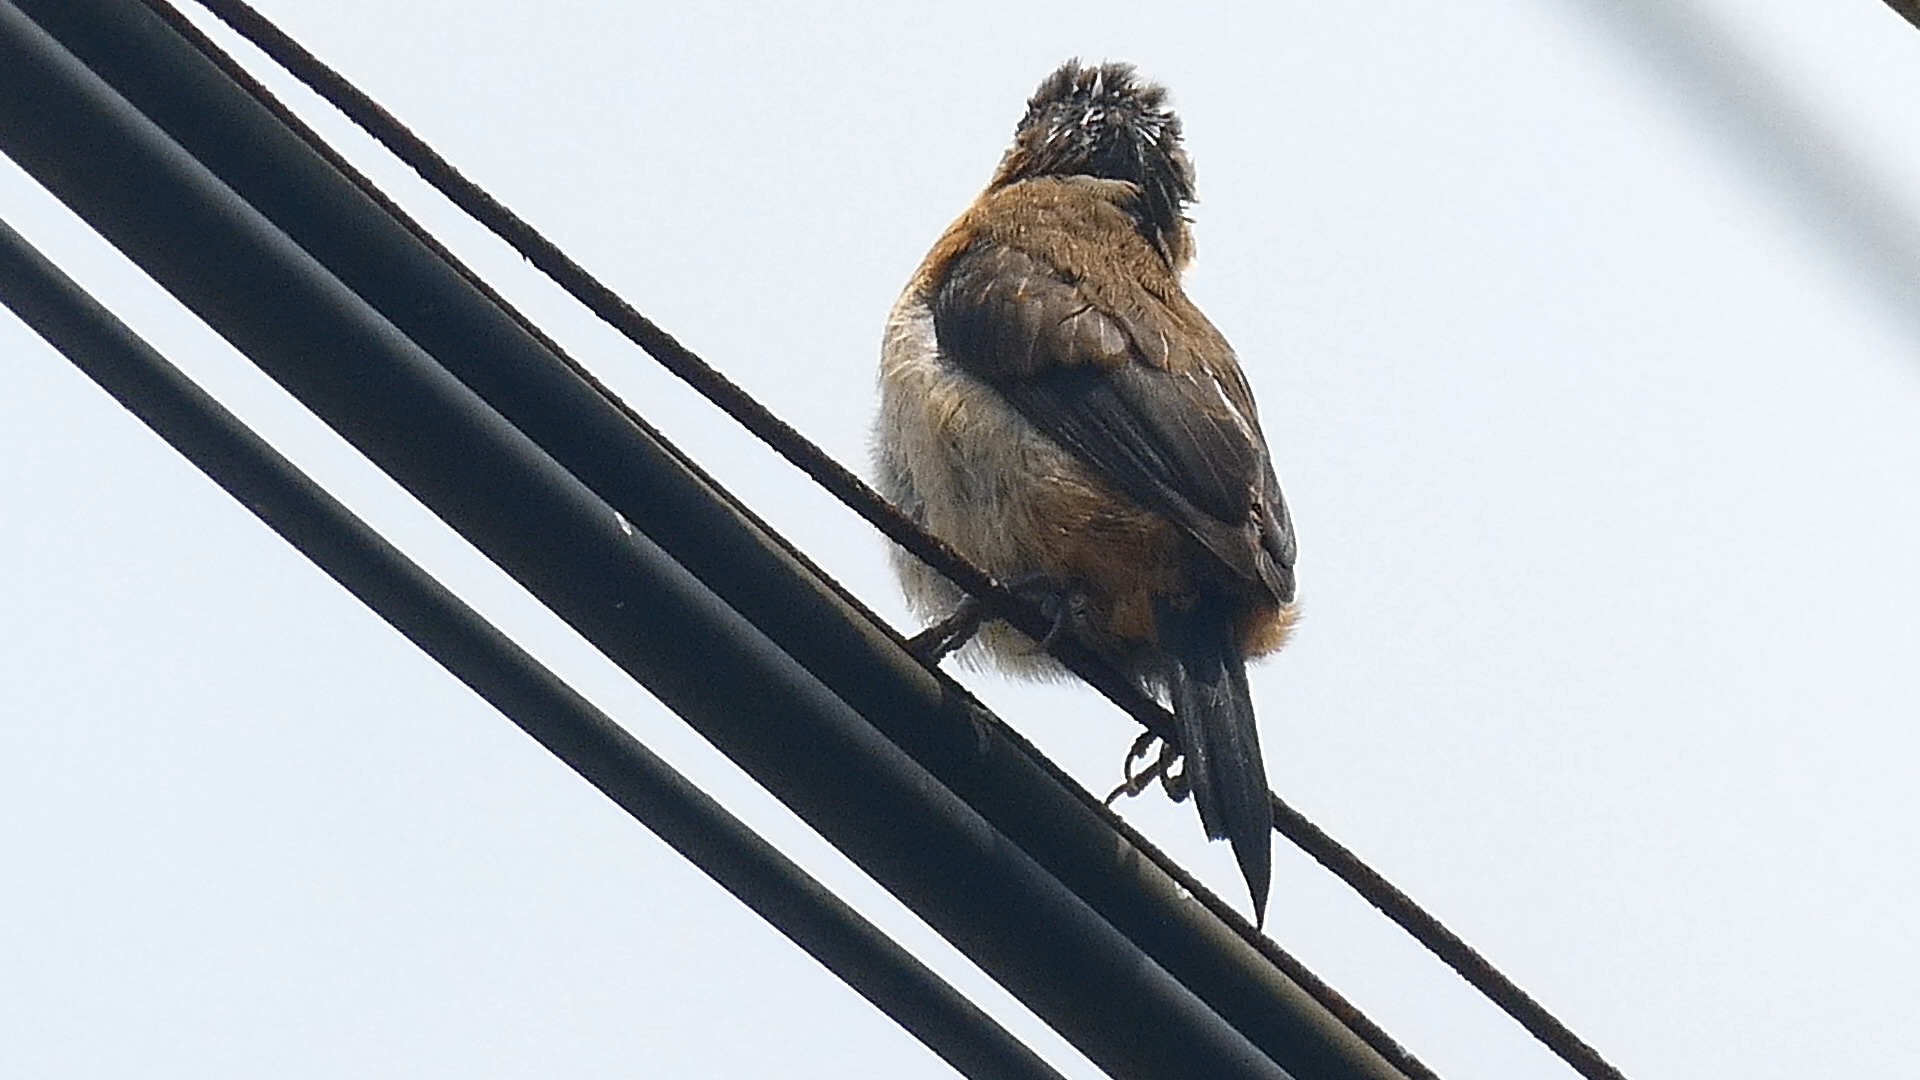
1172,779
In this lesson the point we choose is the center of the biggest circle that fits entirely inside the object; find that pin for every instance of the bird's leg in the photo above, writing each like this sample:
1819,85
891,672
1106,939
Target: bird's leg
934,643
941,639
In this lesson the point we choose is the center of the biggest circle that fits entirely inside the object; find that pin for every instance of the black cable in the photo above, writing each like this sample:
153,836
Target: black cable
1839,198
1396,905
527,693
620,590
1255,985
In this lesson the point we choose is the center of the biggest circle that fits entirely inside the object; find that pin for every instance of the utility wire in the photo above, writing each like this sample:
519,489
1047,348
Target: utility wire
1445,944
819,466
479,655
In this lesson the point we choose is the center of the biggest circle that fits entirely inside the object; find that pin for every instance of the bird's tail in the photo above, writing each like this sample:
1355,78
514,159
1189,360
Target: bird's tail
1218,738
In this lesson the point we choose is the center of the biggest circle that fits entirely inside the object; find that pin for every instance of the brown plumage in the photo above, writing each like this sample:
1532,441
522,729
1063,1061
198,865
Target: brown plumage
1055,407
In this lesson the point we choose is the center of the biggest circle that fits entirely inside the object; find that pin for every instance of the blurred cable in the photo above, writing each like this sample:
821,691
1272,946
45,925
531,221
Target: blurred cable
1838,195
477,654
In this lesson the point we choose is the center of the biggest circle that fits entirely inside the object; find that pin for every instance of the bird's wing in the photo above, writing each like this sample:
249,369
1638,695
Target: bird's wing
1126,394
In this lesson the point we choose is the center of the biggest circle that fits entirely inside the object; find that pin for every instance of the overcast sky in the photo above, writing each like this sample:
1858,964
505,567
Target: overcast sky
1601,450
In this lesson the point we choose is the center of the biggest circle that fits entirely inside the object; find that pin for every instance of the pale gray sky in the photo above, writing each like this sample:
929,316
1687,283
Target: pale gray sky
1603,466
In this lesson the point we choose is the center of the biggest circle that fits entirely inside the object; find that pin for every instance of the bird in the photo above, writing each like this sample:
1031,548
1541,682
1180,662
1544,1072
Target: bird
1055,408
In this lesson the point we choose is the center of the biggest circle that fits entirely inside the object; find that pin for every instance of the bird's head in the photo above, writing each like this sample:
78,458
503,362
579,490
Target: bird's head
1106,122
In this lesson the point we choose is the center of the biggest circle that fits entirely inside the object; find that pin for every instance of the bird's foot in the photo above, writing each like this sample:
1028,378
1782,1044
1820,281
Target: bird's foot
947,636
1056,605
1166,768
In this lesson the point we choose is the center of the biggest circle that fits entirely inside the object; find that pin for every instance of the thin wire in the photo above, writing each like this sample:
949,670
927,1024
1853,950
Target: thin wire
1443,943
862,499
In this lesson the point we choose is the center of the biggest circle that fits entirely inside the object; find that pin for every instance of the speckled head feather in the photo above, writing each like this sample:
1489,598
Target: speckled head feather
1104,121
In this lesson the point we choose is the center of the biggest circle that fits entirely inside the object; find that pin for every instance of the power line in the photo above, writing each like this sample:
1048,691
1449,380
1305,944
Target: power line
1444,943
479,655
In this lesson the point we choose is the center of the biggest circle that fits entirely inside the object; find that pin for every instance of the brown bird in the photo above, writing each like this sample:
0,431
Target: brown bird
1056,408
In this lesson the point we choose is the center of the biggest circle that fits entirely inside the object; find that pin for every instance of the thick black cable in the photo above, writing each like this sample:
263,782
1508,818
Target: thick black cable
645,611
526,692
1252,982
1395,904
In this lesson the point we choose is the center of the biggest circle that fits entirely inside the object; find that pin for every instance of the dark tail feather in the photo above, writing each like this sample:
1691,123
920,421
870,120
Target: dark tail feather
1220,742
